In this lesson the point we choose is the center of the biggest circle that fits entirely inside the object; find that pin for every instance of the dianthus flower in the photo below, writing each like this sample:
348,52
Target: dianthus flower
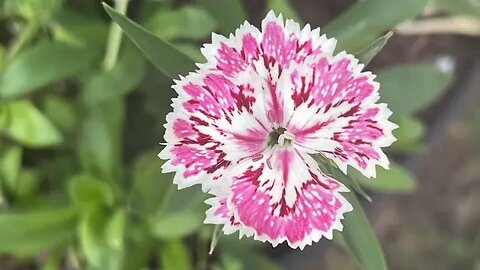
246,124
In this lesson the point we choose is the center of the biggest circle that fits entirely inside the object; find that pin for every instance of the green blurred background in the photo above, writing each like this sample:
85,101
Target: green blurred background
82,114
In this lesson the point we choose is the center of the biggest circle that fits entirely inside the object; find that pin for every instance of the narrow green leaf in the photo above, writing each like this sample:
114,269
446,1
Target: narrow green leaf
409,134
175,256
10,164
395,180
150,185
163,55
21,121
92,234
366,55
90,192
60,112
412,87
176,225
228,13
115,230
116,82
187,22
285,8
364,21
27,183
360,237
43,64
30,232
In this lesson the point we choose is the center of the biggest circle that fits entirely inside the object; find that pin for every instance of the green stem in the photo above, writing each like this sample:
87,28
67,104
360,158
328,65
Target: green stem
114,37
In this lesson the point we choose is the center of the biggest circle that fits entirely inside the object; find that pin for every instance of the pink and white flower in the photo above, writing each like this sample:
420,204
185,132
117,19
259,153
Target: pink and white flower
246,124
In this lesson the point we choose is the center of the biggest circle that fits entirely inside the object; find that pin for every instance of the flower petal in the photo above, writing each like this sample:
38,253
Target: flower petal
285,197
335,114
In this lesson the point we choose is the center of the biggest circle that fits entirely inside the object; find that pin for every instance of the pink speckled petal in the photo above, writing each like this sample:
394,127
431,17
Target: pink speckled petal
285,197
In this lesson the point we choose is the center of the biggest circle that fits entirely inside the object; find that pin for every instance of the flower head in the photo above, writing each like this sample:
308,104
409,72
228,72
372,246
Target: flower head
246,124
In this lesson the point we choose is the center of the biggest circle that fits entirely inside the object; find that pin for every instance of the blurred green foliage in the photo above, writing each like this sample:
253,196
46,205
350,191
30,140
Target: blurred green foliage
73,189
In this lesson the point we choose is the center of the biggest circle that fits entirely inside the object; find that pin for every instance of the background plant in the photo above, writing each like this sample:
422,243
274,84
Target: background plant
81,110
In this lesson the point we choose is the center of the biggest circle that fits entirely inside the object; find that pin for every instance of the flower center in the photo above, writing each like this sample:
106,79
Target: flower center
280,136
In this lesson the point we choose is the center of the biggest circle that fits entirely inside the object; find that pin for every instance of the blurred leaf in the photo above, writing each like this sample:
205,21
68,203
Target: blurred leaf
27,183
21,121
32,10
150,186
230,262
3,57
364,21
84,32
409,134
115,230
395,180
285,8
412,87
90,192
192,51
29,232
360,237
228,13
119,81
461,7
42,64
366,55
163,55
175,256
99,147
176,225
186,22
10,164
140,246
61,112
92,233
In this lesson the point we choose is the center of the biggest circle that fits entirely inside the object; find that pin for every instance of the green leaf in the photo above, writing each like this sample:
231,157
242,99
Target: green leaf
100,143
175,256
228,13
60,112
461,7
162,55
30,232
89,192
360,237
285,8
408,134
192,51
10,164
21,121
364,21
176,225
186,22
366,55
41,65
117,82
115,230
412,87
39,10
92,233
27,183
395,180
3,57
150,185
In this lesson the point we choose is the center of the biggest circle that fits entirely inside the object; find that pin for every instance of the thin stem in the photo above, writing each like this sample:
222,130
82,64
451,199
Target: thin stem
114,37
450,25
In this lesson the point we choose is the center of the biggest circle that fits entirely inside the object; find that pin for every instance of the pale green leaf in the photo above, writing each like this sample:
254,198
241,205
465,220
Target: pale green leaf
365,20
176,225
409,134
41,65
21,121
285,8
175,255
186,22
230,14
360,237
410,88
162,55
88,191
